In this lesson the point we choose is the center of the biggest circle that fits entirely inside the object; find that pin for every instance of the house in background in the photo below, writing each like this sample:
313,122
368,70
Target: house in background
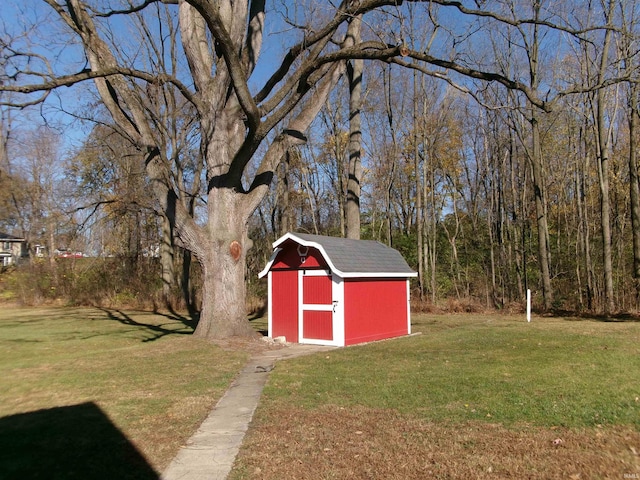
337,291
11,249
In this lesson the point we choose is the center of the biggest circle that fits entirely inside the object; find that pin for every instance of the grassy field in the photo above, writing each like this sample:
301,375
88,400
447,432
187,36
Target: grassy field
91,393
97,393
472,397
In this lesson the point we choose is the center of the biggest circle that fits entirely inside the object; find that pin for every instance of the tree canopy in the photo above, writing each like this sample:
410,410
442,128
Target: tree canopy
213,94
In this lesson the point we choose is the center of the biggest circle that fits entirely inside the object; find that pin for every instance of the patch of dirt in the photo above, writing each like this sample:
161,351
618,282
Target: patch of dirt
363,443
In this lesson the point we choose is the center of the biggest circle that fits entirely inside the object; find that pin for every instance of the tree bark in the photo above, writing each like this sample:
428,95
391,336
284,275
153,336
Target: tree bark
167,251
417,125
538,173
223,311
355,77
603,137
541,213
283,206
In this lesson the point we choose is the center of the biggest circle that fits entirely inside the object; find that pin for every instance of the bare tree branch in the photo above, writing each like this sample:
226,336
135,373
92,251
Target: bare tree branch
133,9
229,52
69,80
514,22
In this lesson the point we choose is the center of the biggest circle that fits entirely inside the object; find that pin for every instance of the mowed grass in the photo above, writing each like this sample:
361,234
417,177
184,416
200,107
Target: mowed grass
472,397
90,393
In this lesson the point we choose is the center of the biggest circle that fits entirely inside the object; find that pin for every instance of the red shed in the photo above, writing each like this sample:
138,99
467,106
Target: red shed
337,291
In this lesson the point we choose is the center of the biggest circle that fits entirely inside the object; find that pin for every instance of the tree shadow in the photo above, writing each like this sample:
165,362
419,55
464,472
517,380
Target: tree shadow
190,321
157,331
580,316
258,313
257,318
263,332
71,443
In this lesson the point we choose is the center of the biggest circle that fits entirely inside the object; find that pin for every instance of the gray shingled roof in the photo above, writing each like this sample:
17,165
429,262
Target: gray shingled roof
359,256
6,237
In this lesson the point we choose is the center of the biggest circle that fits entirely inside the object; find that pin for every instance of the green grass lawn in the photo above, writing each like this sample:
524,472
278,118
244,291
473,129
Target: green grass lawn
549,373
467,384
91,393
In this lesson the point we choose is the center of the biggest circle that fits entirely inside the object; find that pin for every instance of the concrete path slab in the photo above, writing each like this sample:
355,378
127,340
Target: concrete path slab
209,454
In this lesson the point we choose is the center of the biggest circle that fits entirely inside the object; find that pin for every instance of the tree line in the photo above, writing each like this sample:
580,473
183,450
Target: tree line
494,144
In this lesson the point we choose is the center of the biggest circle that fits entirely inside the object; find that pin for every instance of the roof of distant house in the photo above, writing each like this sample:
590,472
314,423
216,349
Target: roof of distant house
10,238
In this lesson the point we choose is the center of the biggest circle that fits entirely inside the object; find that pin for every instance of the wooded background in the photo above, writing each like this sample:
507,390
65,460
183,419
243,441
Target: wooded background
489,184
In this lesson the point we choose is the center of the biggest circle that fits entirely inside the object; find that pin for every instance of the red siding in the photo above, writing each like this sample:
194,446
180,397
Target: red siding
317,290
289,258
317,325
284,304
374,309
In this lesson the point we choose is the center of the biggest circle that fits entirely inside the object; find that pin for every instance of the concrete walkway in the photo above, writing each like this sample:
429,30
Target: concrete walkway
209,454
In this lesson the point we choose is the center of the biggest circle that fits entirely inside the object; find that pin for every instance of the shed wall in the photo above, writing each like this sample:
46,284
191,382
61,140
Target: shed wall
375,309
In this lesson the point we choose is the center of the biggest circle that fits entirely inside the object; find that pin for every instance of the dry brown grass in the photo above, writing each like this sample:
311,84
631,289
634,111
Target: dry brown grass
364,443
449,305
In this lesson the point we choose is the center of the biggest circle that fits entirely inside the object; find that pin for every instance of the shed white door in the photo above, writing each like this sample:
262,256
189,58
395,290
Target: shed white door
316,307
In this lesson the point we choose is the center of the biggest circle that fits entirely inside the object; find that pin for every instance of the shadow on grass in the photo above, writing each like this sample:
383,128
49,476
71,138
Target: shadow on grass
157,331
190,322
71,443
258,313
259,322
578,316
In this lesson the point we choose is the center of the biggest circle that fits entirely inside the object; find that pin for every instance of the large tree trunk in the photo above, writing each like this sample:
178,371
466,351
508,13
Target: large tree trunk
223,312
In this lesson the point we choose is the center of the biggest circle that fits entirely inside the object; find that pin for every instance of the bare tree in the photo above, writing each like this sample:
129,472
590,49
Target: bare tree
597,61
214,71
5,180
37,198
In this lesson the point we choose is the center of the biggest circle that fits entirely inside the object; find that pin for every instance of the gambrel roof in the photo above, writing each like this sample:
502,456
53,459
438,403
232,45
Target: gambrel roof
350,258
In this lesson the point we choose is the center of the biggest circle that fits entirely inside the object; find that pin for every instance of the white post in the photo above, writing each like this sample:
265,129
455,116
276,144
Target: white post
528,305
